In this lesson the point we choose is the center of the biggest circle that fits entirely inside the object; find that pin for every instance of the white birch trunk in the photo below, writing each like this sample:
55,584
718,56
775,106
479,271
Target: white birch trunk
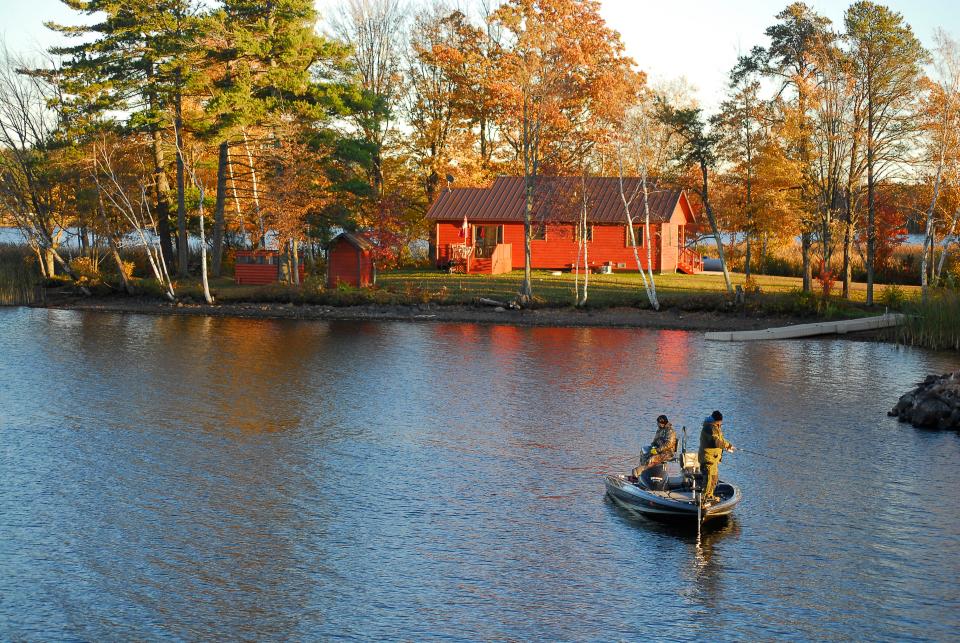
241,224
256,191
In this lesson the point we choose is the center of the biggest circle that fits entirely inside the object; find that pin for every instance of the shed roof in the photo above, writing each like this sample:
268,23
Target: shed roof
357,240
555,199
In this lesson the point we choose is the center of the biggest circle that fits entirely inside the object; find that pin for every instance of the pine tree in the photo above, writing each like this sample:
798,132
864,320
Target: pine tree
134,60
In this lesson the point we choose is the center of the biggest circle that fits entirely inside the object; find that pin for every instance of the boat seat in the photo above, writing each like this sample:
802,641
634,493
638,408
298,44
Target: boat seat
675,482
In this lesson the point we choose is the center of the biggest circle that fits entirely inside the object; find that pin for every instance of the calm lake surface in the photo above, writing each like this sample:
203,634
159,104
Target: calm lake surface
199,478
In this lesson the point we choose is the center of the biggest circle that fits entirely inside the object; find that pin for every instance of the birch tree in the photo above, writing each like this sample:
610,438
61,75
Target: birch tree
30,188
125,191
635,144
942,115
560,65
698,151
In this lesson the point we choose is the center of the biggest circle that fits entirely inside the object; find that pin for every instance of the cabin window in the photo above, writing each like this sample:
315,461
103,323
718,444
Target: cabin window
637,236
538,231
589,236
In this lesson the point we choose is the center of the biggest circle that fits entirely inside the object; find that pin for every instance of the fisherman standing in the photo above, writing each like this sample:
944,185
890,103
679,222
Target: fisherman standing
712,446
662,448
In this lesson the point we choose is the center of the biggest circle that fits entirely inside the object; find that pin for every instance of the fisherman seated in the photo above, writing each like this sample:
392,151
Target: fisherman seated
661,450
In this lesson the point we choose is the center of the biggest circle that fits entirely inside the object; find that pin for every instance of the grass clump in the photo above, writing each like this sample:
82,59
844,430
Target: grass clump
934,323
20,282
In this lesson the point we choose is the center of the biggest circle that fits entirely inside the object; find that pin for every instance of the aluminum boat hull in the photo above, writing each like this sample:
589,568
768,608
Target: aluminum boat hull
675,504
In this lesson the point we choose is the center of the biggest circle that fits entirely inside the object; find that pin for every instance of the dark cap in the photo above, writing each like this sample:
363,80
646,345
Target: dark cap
662,419
717,416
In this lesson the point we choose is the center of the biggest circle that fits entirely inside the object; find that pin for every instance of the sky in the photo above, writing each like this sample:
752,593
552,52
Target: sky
695,39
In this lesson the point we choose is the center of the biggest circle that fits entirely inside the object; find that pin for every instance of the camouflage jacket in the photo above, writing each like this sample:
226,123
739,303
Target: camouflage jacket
712,443
665,441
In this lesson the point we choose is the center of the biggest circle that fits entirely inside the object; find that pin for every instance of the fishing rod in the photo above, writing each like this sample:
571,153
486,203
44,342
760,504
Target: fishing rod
762,455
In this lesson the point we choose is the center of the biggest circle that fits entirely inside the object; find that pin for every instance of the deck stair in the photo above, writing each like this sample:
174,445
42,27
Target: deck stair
689,262
481,265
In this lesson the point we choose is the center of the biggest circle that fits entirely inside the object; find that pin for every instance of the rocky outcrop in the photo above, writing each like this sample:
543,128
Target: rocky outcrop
934,404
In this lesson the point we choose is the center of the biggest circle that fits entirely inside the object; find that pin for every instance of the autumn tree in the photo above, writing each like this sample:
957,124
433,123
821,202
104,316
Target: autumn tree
888,60
434,111
790,58
34,189
698,152
741,123
133,59
940,118
269,66
375,31
560,63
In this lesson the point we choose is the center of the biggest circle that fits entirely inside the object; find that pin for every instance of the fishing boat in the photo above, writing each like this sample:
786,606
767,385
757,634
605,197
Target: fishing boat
671,491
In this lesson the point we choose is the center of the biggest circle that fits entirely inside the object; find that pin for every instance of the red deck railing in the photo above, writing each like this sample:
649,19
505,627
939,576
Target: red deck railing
691,259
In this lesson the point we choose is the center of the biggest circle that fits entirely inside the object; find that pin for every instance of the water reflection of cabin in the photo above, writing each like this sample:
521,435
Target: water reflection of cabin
493,242
259,267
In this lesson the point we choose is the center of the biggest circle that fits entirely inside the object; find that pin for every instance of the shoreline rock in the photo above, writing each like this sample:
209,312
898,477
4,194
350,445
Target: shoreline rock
934,404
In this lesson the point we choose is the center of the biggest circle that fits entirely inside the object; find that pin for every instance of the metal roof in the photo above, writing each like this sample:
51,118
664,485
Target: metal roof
555,199
357,240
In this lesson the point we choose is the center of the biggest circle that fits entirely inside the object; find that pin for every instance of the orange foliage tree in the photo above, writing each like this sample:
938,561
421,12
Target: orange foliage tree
562,68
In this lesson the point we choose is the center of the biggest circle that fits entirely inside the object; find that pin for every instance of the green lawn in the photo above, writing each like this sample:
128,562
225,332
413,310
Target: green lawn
605,290
706,291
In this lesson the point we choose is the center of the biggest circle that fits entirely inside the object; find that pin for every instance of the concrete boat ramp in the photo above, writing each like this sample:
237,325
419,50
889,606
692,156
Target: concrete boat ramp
810,330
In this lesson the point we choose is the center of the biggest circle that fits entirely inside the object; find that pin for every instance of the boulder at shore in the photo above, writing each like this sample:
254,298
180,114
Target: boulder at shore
934,404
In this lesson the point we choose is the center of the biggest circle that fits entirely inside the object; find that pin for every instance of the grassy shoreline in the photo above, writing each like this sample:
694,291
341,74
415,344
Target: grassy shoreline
614,300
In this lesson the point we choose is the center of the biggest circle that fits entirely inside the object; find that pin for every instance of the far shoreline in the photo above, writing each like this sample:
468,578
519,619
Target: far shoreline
615,317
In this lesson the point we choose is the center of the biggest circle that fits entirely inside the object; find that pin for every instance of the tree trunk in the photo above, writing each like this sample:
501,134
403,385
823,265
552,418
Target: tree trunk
295,254
49,265
261,242
241,224
805,245
203,255
161,190
948,237
526,292
847,257
183,245
871,197
529,179
704,172
746,260
114,250
219,224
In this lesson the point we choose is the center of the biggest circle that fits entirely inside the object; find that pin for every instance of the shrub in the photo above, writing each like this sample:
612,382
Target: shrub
86,269
893,297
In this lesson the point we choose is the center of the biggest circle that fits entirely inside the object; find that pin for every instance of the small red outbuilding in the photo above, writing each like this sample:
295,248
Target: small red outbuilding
259,267
350,261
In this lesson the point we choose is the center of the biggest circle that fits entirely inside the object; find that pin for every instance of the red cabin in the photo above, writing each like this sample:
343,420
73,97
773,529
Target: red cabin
481,229
258,267
350,261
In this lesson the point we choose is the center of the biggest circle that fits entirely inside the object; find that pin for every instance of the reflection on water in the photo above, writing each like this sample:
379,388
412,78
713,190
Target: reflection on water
165,477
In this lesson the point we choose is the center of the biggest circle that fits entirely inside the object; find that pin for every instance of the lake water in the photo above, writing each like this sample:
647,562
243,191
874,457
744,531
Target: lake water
199,478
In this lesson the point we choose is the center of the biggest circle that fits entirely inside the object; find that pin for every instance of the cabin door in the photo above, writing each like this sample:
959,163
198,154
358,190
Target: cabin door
486,238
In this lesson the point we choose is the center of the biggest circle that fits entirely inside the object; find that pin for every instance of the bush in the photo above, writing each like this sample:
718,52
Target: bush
893,297
86,269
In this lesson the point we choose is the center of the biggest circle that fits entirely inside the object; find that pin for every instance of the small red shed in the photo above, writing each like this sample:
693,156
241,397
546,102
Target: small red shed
350,261
258,267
